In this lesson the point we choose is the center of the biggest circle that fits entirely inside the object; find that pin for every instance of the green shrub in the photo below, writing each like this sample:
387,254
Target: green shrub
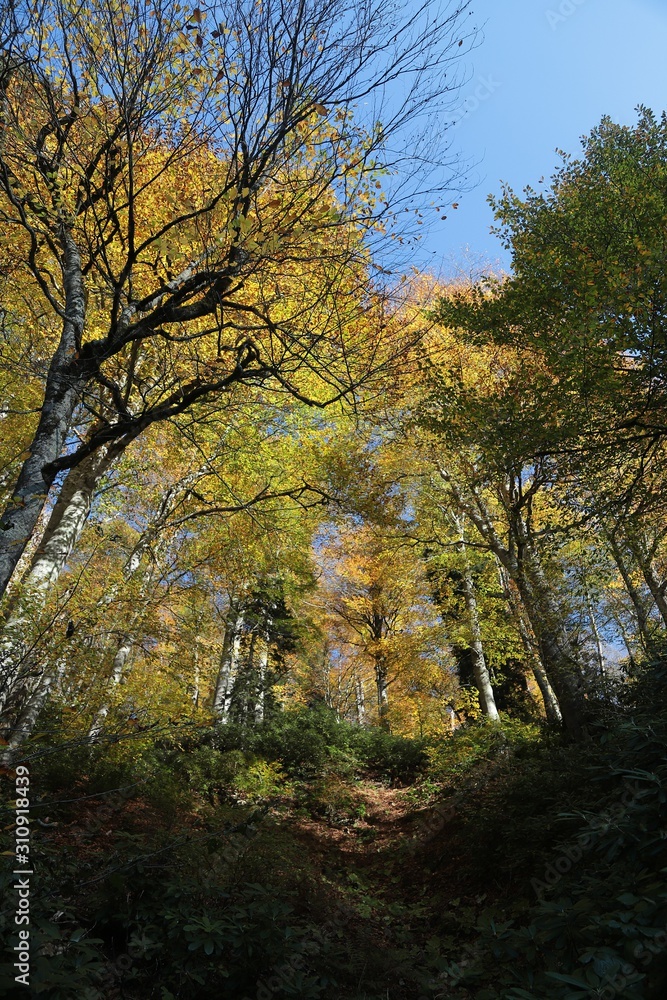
260,779
394,757
480,743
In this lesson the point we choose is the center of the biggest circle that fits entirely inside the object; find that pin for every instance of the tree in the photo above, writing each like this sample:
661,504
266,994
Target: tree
587,295
381,623
478,442
159,290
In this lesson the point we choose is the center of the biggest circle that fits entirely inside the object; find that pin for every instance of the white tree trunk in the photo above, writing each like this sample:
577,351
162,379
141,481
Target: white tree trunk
60,536
32,706
360,700
116,676
196,677
64,383
479,667
596,637
261,673
229,667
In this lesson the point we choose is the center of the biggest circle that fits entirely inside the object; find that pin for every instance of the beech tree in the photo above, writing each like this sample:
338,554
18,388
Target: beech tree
156,163
169,506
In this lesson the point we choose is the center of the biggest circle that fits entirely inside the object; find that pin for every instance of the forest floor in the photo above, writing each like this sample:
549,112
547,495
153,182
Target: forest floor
383,872
363,867
183,872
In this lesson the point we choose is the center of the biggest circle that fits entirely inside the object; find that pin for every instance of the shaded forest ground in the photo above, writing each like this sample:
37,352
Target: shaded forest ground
310,858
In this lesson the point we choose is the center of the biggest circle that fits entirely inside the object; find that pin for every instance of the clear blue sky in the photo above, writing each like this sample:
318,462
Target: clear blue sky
546,78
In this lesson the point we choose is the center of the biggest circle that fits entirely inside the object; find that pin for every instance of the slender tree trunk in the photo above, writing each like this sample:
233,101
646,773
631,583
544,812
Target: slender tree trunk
381,685
596,636
530,645
654,585
551,706
641,612
360,700
556,652
62,532
546,618
115,678
32,706
132,566
479,668
195,680
64,383
260,688
244,687
229,666
541,608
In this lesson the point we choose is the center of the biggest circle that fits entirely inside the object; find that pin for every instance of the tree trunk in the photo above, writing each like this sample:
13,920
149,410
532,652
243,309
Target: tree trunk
32,706
360,700
541,608
596,636
555,649
64,383
196,676
244,687
382,690
62,532
530,645
132,565
229,666
641,612
654,584
480,671
116,676
260,688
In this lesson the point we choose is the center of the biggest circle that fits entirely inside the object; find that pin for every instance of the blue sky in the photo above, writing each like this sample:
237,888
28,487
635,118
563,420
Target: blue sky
546,72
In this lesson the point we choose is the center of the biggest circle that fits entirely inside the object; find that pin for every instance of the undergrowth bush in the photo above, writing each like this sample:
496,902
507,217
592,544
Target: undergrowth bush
583,839
309,742
480,743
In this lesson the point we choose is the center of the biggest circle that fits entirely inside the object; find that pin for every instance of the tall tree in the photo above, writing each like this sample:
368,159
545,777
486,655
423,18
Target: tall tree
587,295
110,112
